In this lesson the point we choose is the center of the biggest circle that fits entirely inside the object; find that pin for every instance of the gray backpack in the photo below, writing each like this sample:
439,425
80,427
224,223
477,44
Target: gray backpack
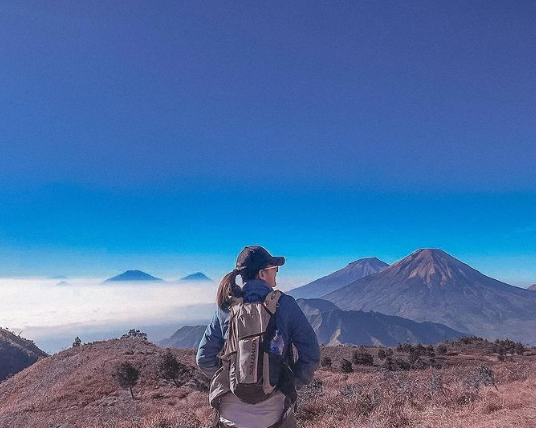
252,359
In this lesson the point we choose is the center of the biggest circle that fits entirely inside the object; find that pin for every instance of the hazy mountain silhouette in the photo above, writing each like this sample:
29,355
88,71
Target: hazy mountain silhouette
196,277
352,272
334,326
63,283
532,287
16,353
133,275
185,337
431,285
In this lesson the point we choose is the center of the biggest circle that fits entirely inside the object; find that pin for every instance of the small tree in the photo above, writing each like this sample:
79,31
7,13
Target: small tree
77,342
346,366
171,369
136,334
326,362
127,376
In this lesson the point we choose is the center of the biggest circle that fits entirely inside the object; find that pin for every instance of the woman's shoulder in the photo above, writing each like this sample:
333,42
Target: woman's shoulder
287,301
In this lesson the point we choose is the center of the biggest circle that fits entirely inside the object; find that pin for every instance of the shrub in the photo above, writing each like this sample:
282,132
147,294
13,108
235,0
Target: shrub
77,342
362,358
127,376
171,369
442,349
346,366
382,354
326,362
136,334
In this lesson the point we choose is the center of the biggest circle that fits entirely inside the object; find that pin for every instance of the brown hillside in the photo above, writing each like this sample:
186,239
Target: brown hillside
75,388
465,384
16,353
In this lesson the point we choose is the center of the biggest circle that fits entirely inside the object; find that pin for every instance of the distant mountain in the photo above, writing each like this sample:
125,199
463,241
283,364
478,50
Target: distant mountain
185,337
431,285
16,353
63,283
334,326
354,271
133,275
196,277
532,287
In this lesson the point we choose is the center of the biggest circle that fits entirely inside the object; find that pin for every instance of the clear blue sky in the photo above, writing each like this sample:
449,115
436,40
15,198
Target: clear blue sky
165,136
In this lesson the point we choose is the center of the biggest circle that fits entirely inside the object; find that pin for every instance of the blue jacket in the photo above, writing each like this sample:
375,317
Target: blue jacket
291,322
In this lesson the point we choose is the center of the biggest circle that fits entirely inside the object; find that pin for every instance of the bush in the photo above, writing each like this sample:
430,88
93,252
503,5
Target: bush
346,366
442,349
404,347
326,362
382,354
136,334
362,358
127,376
171,369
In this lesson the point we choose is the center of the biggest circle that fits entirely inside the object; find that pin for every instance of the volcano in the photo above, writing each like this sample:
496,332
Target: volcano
352,272
431,285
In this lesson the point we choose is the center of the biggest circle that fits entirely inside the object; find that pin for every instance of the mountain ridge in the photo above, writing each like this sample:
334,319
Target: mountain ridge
340,278
334,326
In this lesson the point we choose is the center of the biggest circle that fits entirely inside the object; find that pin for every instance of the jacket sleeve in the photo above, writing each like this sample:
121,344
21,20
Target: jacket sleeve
210,346
304,339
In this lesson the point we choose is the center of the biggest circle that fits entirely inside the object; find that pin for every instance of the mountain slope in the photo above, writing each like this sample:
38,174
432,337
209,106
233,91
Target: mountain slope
532,287
185,337
76,388
431,285
352,272
133,275
16,353
334,326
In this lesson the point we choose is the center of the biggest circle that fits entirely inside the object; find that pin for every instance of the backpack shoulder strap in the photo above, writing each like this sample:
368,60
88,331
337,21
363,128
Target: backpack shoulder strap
271,301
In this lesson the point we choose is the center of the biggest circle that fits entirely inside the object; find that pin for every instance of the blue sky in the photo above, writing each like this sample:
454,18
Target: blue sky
168,136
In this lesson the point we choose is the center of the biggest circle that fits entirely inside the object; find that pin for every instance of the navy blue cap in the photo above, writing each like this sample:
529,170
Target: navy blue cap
255,258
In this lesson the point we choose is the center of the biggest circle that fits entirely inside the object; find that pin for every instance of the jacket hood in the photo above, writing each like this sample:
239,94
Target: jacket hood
255,290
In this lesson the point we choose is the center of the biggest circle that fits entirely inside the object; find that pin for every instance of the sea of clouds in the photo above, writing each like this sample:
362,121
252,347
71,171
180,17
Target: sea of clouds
53,314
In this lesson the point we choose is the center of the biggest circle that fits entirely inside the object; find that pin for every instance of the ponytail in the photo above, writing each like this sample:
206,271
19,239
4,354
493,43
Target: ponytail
228,289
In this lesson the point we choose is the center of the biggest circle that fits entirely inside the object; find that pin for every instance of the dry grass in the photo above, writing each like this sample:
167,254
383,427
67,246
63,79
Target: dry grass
75,389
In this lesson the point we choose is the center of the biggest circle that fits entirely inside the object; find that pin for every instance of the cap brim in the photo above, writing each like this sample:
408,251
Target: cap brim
277,261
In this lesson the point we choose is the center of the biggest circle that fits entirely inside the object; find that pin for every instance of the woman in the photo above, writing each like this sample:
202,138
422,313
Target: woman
258,269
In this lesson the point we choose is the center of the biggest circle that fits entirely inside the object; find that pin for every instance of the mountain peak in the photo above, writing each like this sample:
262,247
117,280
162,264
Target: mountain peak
133,275
367,260
434,266
340,278
197,276
532,287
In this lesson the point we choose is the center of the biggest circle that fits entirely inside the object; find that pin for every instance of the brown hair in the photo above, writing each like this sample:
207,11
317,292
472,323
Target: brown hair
228,287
